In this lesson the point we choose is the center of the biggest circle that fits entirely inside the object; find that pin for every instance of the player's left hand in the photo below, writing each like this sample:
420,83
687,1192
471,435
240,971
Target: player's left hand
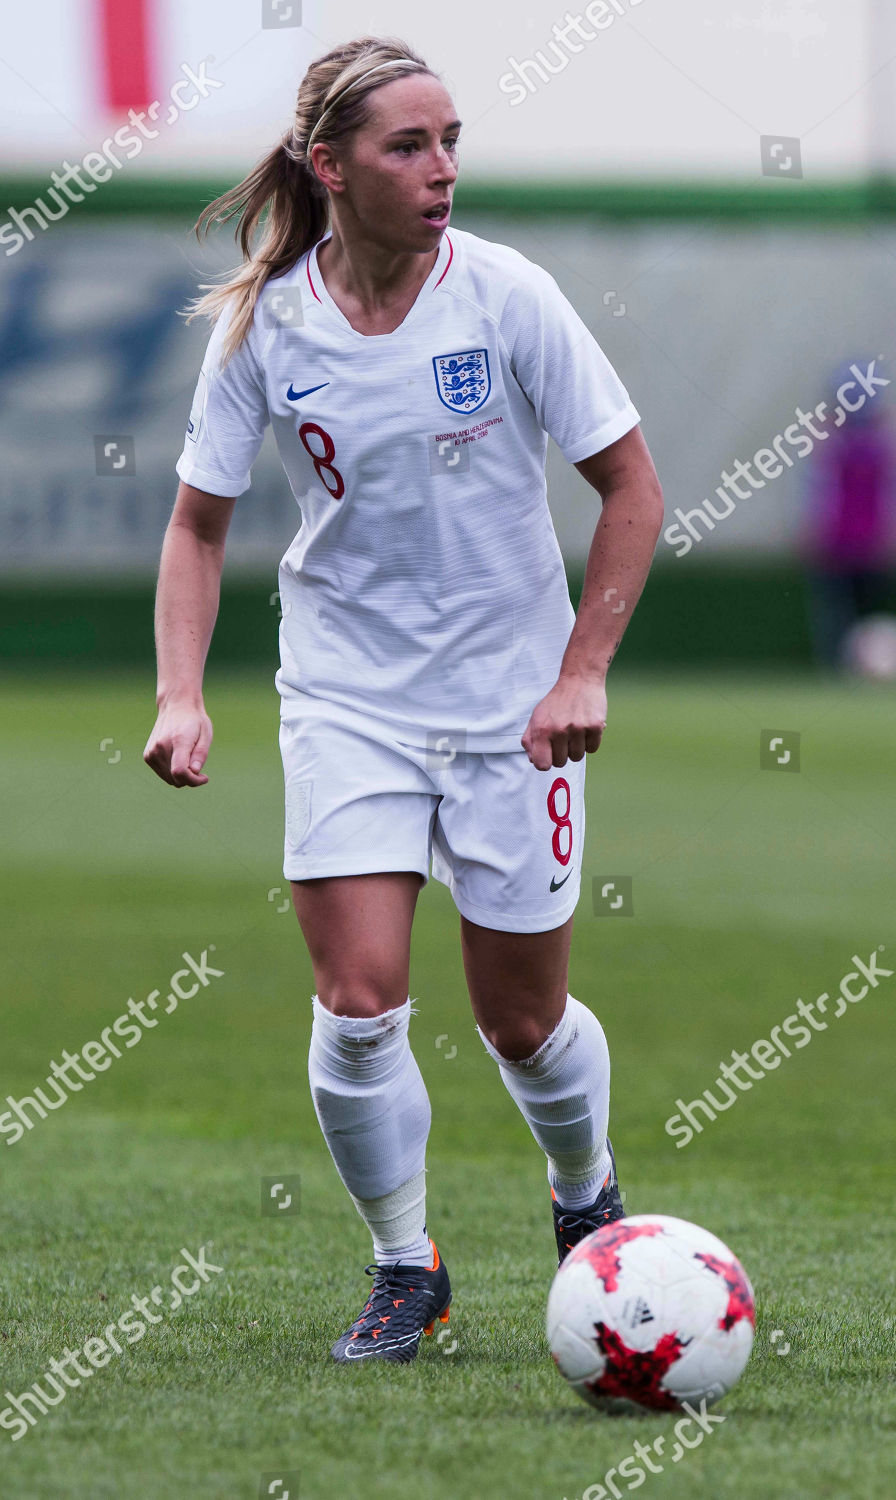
567,724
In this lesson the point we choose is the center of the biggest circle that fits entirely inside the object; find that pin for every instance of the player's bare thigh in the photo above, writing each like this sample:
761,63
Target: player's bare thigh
517,982
358,932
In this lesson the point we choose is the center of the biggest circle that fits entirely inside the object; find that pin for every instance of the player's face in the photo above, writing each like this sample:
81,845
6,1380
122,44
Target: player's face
403,164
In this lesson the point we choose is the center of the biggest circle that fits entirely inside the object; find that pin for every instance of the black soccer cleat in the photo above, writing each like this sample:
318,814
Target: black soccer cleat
404,1303
573,1224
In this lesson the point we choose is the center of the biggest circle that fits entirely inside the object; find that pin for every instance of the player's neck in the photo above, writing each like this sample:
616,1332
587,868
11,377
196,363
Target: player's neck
370,283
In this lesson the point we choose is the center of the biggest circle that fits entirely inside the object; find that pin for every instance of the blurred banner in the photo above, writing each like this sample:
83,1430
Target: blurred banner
598,88
713,188
97,373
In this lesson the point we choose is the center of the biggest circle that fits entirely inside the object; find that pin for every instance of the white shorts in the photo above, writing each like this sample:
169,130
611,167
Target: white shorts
504,837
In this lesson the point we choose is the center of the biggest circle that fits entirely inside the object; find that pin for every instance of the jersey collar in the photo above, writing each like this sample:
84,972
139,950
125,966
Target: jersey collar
319,291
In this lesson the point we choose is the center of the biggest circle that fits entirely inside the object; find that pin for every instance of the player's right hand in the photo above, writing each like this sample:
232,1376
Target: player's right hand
179,744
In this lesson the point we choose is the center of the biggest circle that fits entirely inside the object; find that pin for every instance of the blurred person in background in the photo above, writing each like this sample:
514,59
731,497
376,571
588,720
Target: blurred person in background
849,536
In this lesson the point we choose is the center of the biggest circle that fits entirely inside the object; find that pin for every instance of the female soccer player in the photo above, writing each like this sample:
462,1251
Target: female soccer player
438,692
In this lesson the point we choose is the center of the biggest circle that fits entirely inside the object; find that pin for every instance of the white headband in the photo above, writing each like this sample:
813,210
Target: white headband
394,62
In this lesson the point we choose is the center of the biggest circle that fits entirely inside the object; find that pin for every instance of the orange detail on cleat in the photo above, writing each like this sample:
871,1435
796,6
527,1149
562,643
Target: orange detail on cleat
375,1333
443,1317
397,1301
430,1327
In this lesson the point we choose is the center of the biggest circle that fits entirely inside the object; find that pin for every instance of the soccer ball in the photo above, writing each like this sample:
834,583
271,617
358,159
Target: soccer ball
869,648
650,1311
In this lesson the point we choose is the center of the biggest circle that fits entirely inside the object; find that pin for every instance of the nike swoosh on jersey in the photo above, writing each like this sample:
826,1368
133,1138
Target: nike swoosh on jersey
292,395
556,884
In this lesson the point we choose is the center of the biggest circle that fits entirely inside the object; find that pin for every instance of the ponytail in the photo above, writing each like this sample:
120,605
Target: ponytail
296,219
282,199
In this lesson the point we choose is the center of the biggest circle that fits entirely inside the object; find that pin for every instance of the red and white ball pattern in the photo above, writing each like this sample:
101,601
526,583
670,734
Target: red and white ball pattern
651,1310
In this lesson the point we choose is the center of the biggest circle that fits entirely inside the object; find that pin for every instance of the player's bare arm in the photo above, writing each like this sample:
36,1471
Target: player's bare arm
186,609
570,720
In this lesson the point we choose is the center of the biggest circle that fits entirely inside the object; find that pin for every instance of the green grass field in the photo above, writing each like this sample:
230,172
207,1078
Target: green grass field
752,888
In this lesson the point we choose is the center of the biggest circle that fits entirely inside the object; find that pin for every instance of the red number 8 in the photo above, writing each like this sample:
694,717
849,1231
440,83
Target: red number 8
558,821
323,462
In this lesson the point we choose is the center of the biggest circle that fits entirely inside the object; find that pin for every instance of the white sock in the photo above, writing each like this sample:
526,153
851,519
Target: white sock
394,1222
563,1093
374,1112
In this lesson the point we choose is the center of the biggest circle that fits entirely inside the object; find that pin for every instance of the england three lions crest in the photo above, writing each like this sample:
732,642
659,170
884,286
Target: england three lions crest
463,381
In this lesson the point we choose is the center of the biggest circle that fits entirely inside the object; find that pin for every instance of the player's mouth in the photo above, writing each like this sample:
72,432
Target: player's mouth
439,214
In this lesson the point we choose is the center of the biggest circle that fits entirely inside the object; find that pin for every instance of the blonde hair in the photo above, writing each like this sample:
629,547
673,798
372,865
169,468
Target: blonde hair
282,198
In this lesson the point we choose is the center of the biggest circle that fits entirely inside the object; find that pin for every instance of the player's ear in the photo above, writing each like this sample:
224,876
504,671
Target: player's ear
328,167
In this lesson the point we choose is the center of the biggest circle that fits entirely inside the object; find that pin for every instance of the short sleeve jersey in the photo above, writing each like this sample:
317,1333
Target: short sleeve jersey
425,586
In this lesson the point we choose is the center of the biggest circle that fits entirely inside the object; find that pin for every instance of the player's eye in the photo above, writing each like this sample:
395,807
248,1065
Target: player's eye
450,144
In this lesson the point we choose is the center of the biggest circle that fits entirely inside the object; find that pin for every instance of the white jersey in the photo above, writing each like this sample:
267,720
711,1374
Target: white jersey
425,586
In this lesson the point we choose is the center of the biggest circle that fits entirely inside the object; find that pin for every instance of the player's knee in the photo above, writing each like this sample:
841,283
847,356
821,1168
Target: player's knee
517,1038
361,997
